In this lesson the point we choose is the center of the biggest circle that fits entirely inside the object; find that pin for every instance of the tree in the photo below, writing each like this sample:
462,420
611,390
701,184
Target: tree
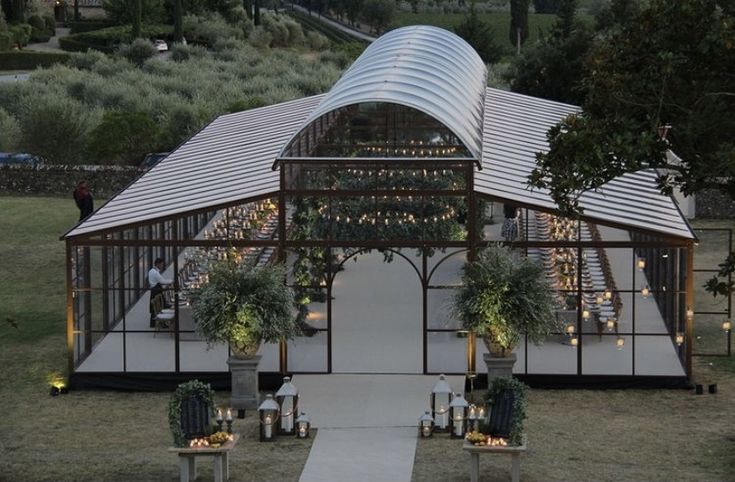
122,11
551,68
566,18
137,13
77,16
617,12
256,12
644,75
518,23
378,13
178,21
123,137
479,35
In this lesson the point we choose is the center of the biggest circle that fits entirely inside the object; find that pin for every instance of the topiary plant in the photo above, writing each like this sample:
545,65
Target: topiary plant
519,405
503,297
194,388
244,307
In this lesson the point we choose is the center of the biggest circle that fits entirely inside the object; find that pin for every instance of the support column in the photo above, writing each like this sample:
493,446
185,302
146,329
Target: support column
690,305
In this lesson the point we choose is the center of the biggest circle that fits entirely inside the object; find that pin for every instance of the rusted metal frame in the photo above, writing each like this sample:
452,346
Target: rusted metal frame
370,193
177,338
665,238
215,207
179,243
690,305
282,346
69,310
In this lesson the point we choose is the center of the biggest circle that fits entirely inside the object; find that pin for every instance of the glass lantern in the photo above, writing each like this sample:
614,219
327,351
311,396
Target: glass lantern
441,396
303,425
268,411
288,400
458,409
426,425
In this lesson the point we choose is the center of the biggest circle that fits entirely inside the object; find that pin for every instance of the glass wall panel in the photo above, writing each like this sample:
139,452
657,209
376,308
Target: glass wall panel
556,356
308,353
107,355
439,310
447,353
607,354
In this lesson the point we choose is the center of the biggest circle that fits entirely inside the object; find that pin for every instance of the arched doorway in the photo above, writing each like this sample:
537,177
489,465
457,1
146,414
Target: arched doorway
377,314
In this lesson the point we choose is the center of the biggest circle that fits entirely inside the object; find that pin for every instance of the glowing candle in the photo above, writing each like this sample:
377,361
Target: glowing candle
443,418
458,425
268,427
229,415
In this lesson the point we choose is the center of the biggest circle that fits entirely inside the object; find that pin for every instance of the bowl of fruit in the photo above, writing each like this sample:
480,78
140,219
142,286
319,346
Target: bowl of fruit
217,439
476,438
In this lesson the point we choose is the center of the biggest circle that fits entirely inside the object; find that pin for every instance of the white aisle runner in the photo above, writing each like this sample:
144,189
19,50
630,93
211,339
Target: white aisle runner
367,424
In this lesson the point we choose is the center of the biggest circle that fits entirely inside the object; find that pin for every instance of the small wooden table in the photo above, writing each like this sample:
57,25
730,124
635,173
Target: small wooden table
513,451
188,464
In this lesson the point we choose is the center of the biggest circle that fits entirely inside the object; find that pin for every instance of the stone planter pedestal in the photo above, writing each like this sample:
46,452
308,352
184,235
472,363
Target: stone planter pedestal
499,367
244,382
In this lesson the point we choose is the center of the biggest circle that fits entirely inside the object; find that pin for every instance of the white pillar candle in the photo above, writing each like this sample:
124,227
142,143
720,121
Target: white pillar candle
458,425
443,417
287,415
268,426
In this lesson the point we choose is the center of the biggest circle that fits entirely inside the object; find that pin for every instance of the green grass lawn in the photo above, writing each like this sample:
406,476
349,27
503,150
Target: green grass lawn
117,436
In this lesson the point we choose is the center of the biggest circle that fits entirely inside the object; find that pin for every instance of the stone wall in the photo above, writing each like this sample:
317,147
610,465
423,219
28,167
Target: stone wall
104,181
712,204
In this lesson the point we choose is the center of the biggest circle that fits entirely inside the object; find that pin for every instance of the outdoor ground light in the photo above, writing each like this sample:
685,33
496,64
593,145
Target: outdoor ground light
620,342
727,325
458,409
268,411
441,396
303,425
426,425
287,398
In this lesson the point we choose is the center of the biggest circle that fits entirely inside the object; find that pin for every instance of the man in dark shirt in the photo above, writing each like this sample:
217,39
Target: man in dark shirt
83,198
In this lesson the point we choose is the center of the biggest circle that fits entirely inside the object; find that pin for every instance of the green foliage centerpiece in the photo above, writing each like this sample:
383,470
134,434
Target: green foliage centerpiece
244,307
519,405
503,297
193,388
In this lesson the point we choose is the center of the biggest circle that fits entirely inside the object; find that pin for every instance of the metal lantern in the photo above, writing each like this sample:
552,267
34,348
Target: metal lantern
268,411
303,425
458,409
426,425
441,396
288,400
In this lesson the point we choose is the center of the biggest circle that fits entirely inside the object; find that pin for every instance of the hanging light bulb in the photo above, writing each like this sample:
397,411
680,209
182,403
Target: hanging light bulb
574,341
679,339
690,313
645,291
641,263
611,324
585,314
570,329
608,295
599,299
620,342
727,325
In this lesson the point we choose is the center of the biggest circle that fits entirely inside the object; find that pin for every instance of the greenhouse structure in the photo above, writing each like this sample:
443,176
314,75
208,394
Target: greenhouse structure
375,195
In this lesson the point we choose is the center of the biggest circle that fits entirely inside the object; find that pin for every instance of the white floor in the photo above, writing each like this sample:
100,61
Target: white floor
367,424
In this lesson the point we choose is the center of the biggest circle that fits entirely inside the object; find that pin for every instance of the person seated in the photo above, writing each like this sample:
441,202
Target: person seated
156,281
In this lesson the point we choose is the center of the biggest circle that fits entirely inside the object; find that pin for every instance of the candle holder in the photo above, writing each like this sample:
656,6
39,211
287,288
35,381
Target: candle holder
229,426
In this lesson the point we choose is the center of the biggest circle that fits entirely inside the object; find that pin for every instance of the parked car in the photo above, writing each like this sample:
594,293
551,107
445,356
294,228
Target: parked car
160,45
19,159
151,159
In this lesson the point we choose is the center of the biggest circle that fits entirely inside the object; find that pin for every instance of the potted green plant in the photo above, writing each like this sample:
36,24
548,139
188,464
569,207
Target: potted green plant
244,307
503,297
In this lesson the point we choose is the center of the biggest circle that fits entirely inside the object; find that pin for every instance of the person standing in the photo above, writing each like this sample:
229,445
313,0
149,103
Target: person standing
156,281
84,200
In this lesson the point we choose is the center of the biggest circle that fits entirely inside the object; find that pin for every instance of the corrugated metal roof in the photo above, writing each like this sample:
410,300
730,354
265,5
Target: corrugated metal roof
426,68
228,160
515,130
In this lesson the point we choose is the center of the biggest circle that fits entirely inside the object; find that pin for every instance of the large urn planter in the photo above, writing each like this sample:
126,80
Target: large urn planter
245,391
499,367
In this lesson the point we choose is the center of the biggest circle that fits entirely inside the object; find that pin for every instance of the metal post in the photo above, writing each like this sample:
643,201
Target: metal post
69,311
690,305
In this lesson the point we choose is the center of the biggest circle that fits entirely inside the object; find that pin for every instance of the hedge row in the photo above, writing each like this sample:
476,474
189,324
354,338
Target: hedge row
27,60
107,39
88,25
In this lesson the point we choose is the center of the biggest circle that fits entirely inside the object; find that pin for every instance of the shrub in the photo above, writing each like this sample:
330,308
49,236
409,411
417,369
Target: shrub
21,33
27,60
9,131
50,23
6,41
120,12
138,51
260,38
207,30
85,60
54,128
181,53
106,39
82,26
123,137
316,41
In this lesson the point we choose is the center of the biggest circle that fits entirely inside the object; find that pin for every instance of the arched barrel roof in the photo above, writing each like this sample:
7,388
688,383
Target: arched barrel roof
422,67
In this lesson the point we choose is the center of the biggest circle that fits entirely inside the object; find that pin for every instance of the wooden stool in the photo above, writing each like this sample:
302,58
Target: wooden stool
476,451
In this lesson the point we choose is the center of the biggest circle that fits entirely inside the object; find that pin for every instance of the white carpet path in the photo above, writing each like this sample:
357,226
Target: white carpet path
367,424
